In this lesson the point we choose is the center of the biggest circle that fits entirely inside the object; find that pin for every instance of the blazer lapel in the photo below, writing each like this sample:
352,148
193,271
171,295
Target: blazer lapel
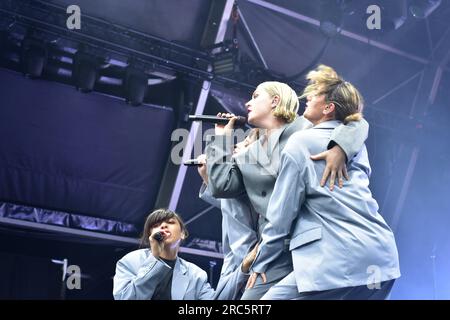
180,280
258,154
269,156
274,141
265,158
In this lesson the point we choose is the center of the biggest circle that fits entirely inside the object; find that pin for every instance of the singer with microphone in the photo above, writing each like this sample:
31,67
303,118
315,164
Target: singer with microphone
273,109
338,239
157,273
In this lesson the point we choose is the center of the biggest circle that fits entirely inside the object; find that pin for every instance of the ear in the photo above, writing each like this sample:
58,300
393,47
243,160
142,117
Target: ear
329,108
275,101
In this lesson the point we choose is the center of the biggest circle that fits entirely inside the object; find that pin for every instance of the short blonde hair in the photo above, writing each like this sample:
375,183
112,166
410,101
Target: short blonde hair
348,101
287,107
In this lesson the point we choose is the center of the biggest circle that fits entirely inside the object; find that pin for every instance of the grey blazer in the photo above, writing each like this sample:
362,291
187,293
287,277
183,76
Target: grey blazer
256,170
139,272
239,228
338,238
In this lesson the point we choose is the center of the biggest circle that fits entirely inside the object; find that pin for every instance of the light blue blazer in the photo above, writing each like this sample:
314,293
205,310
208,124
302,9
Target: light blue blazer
139,272
239,227
338,238
256,170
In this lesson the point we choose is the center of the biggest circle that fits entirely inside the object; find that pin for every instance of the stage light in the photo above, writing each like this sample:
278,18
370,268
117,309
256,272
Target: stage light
85,71
33,58
135,85
421,9
225,59
225,63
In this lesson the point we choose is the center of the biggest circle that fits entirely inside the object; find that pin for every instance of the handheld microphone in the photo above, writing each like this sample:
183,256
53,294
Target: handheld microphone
239,123
158,236
192,163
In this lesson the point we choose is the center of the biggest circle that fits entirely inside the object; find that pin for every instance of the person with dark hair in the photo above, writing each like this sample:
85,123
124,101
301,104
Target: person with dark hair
157,273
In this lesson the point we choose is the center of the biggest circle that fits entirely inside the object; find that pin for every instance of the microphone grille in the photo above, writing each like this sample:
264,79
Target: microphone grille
158,236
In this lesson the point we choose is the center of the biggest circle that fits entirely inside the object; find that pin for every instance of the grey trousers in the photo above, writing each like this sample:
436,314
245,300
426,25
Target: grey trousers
287,289
276,271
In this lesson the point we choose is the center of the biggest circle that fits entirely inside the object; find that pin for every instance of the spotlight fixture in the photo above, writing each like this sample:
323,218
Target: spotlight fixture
421,9
33,57
85,70
225,59
225,63
135,85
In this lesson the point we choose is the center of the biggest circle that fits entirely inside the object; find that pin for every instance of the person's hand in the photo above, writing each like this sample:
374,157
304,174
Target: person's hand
221,129
252,279
336,165
249,258
155,245
202,168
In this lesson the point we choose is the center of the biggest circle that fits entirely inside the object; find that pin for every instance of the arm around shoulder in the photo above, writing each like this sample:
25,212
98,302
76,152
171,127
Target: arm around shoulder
350,137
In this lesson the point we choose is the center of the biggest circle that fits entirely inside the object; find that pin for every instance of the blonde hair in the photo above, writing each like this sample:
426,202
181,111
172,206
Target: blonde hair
287,107
348,101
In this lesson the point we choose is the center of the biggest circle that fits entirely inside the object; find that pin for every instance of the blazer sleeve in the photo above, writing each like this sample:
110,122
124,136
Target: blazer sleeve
350,137
224,177
283,209
204,289
135,280
228,288
230,285
206,195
